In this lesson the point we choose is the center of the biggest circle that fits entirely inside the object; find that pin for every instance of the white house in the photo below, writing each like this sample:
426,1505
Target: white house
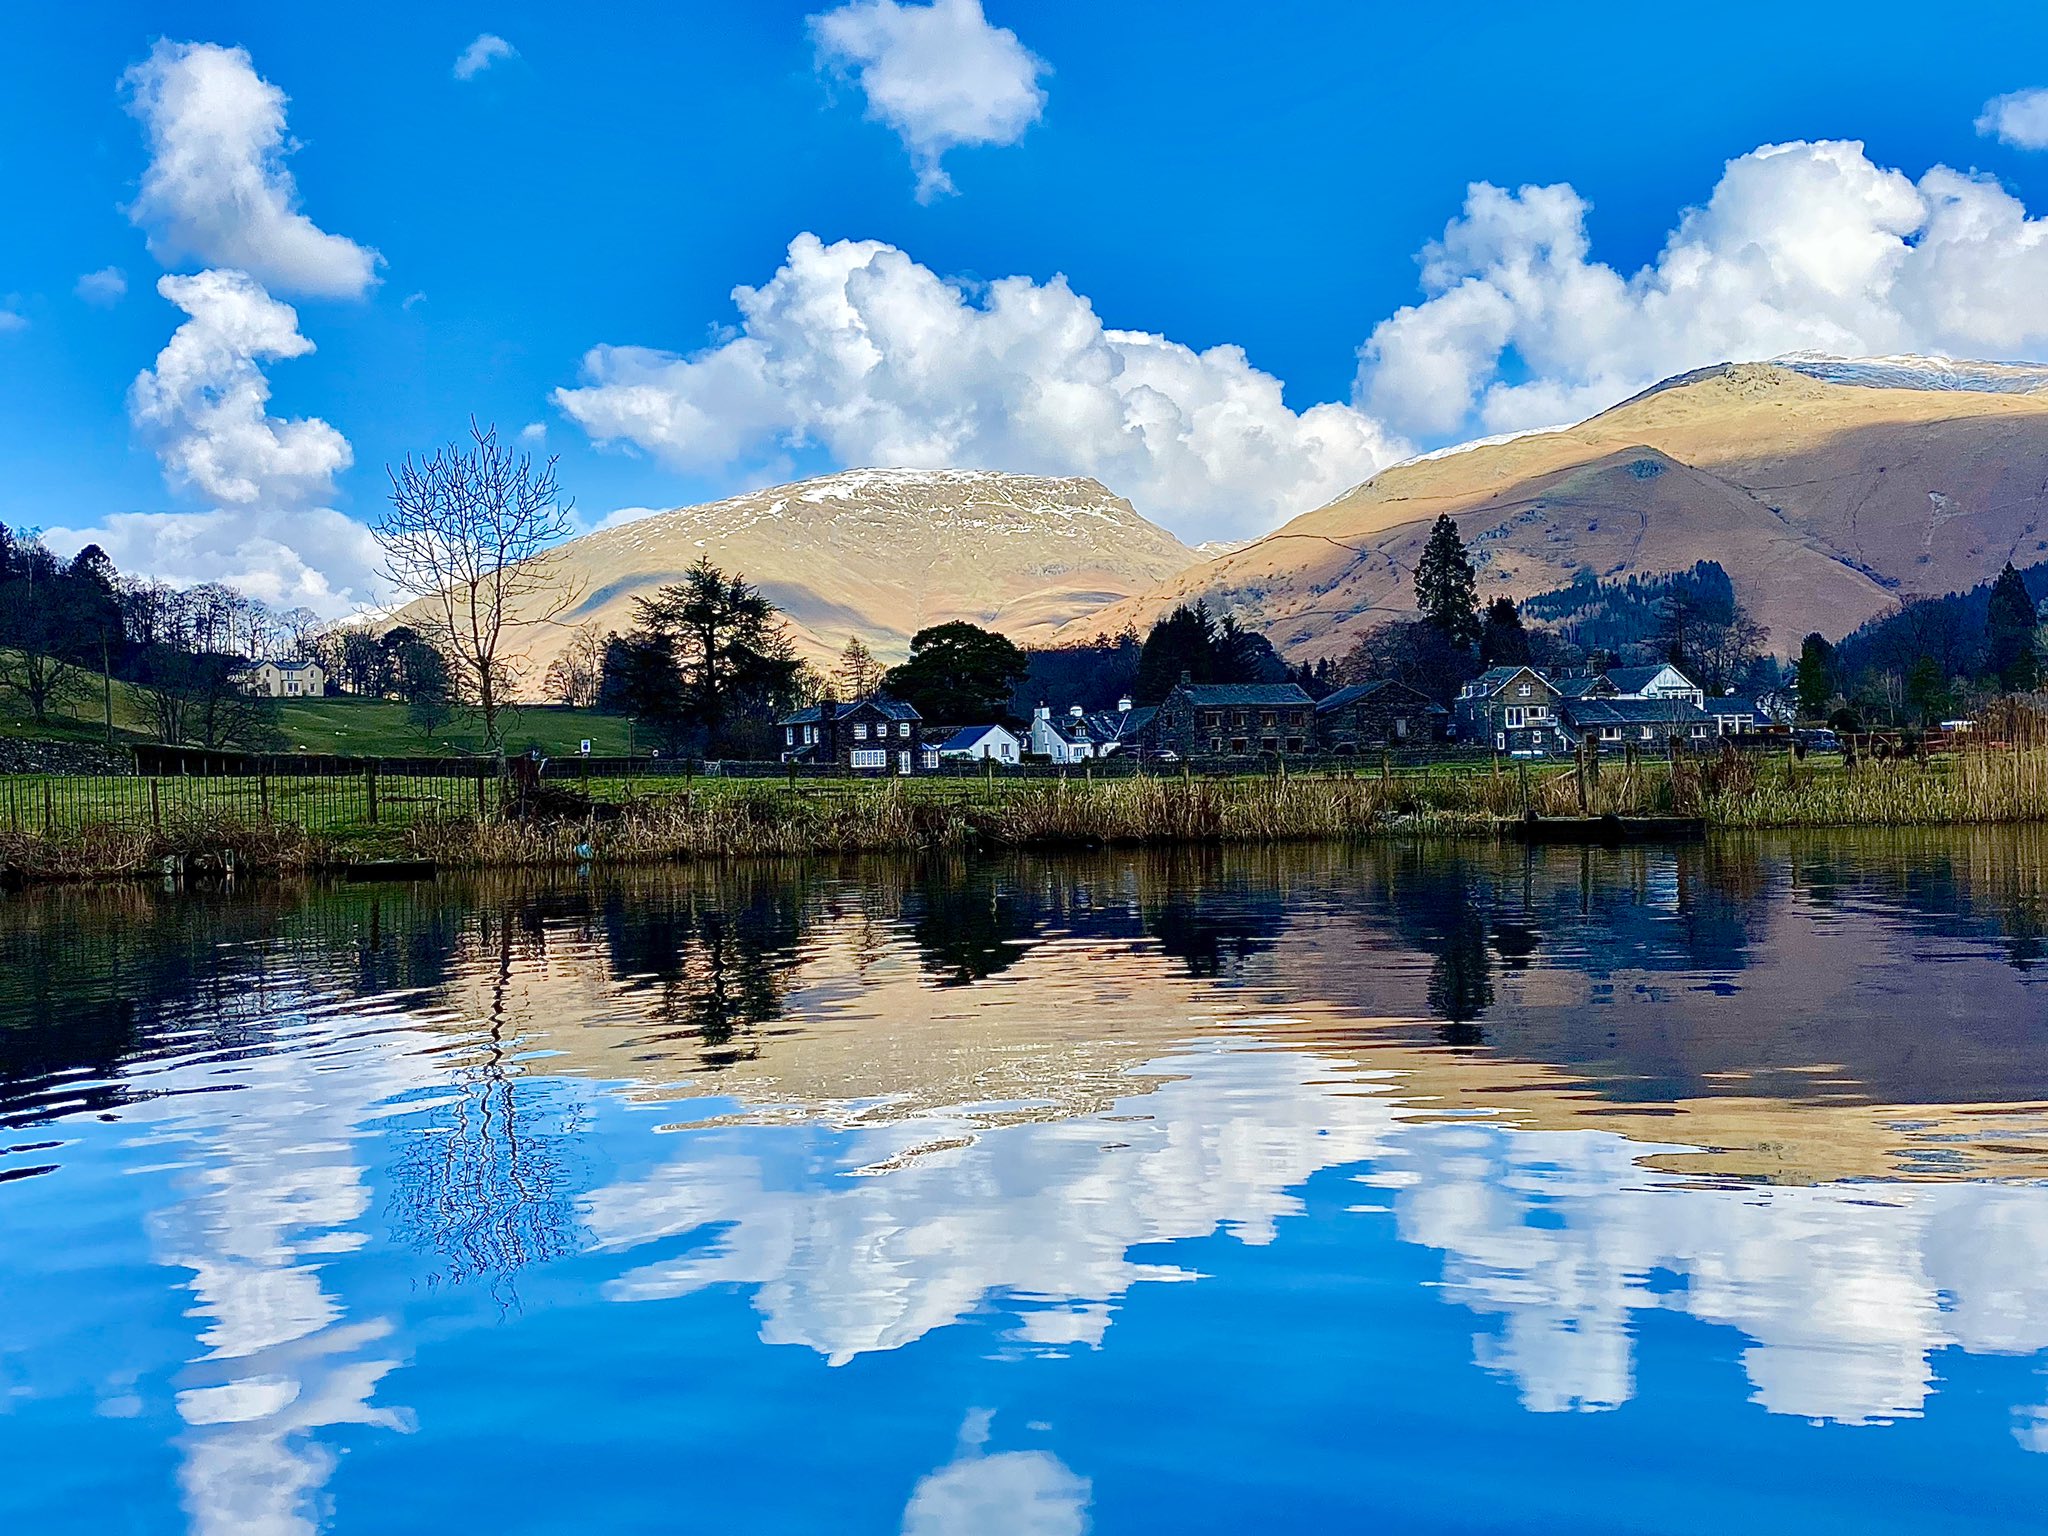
1659,682
992,742
287,679
1060,741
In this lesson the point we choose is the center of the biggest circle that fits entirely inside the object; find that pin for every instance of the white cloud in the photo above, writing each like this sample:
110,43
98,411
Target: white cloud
104,287
858,349
204,406
939,75
204,409
216,189
11,319
2019,119
482,54
1801,246
314,556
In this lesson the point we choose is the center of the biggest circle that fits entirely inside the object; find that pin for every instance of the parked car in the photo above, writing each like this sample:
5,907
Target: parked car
1819,740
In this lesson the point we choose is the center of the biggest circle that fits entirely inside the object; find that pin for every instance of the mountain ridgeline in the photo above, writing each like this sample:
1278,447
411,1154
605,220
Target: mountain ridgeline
1828,490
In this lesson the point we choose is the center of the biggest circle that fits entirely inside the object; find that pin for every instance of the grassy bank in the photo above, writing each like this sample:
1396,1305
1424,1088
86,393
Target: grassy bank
65,829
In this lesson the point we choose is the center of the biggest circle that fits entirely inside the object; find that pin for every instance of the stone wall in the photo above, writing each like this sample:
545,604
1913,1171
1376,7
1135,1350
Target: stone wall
22,755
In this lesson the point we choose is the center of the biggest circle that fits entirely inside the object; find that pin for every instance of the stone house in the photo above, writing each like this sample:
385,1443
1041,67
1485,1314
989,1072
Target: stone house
1233,720
1378,714
1511,709
1613,725
872,735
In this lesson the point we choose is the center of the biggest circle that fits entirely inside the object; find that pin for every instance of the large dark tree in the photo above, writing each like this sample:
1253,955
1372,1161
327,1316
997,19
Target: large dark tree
1444,584
2009,634
1502,640
1193,641
1816,676
728,660
958,673
1414,652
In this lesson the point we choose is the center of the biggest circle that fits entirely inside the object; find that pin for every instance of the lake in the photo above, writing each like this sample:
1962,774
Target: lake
1408,1188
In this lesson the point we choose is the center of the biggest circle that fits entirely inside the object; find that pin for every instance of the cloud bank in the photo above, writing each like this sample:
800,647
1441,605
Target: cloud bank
217,190
1800,247
858,349
938,75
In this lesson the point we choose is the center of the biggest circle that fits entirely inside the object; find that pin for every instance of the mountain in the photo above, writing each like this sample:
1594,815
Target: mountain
882,553
1828,488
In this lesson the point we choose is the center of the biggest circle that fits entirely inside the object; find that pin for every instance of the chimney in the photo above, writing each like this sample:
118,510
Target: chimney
1123,705
1043,712
1187,678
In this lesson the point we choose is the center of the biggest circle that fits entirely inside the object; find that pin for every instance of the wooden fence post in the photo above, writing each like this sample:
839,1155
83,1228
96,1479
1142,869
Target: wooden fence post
482,814
49,810
370,790
263,795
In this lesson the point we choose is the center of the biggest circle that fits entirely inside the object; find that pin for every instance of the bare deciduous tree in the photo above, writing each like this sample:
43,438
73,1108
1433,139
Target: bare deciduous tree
470,535
573,676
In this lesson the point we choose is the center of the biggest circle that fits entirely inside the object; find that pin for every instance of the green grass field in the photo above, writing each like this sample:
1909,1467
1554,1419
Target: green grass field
339,724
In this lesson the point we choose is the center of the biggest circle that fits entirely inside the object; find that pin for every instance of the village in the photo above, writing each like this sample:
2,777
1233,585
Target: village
1518,711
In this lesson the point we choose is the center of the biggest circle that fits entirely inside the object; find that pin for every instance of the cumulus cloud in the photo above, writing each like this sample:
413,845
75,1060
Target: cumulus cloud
856,348
217,189
2019,119
204,408
482,54
938,75
11,319
205,405
1802,246
104,287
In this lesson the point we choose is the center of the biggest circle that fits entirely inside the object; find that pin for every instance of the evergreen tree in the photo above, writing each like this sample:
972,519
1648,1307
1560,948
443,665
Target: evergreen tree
1502,640
1444,584
2009,634
1816,676
958,673
1927,692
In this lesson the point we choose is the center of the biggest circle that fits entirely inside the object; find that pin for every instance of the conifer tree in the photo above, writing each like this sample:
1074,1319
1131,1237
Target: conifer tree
1444,584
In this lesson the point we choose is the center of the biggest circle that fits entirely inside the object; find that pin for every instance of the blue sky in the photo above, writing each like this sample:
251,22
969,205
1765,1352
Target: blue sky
1200,175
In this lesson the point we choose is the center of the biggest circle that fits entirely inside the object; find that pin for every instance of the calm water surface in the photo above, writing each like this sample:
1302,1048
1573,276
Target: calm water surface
1404,1189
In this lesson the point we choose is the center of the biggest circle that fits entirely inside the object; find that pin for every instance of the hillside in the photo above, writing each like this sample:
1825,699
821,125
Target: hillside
1827,488
882,553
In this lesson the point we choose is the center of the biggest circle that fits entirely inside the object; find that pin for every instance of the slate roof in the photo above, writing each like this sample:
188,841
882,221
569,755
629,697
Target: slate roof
1242,695
1582,687
1587,713
1493,679
813,714
1356,691
1120,724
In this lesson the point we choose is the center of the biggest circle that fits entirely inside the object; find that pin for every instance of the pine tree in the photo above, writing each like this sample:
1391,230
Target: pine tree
1444,587
1816,676
2009,634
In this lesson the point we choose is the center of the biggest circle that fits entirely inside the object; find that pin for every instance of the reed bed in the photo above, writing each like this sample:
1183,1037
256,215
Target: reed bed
1995,782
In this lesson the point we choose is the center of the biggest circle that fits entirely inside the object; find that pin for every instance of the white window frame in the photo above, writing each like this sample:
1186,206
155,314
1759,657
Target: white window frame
868,757
903,761
1517,717
860,733
903,729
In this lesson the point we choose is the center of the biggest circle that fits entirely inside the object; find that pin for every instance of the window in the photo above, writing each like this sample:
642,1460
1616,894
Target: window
1610,733
789,735
810,735
860,733
1699,730
1517,717
1522,692
903,729
870,759
1648,734
903,762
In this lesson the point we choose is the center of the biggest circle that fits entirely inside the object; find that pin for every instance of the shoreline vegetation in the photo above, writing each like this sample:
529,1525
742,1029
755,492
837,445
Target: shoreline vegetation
54,830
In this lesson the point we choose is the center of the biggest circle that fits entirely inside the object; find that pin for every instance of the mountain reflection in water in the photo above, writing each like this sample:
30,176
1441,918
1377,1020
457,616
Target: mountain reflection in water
344,1208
